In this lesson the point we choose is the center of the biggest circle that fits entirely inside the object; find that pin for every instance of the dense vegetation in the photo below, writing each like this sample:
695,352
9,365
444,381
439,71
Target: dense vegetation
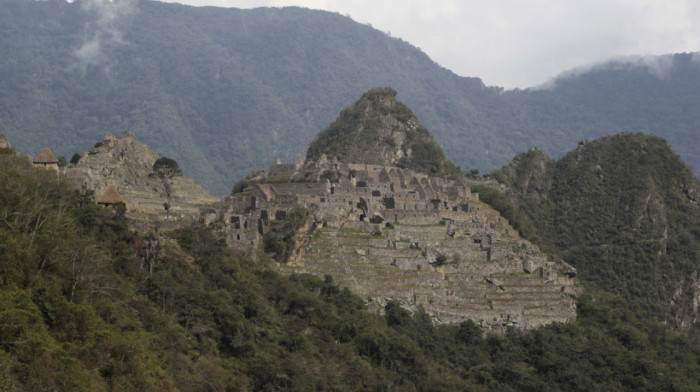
88,305
280,239
366,132
518,219
624,211
224,91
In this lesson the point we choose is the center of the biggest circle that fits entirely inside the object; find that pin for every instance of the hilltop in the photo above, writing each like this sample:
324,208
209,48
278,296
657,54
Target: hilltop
624,211
152,198
379,130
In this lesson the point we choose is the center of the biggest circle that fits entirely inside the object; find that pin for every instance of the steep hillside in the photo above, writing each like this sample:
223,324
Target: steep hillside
379,130
624,211
223,91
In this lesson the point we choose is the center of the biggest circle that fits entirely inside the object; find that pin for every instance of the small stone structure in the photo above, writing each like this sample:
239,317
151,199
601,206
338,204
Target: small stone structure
46,160
390,233
4,143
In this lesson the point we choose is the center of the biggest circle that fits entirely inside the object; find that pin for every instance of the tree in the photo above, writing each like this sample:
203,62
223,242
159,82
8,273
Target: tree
165,167
76,158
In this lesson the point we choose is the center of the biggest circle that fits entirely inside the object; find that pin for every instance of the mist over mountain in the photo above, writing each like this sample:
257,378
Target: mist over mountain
225,91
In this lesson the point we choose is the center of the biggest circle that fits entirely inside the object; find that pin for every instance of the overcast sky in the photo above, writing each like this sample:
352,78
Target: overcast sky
519,43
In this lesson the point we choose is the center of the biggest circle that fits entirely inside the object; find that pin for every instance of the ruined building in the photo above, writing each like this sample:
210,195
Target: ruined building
390,233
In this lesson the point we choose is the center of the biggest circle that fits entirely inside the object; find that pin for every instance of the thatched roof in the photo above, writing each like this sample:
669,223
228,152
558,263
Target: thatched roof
111,196
46,156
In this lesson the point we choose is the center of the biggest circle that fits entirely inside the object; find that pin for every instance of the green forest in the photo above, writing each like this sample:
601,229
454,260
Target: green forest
622,209
86,304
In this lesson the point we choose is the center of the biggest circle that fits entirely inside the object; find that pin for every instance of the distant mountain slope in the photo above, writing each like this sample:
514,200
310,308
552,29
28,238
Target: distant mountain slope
654,95
224,91
624,211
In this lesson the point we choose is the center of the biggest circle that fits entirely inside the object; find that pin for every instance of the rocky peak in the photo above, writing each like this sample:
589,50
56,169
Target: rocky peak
379,130
527,172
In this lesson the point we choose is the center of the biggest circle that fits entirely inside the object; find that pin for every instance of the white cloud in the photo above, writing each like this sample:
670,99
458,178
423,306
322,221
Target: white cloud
102,33
514,43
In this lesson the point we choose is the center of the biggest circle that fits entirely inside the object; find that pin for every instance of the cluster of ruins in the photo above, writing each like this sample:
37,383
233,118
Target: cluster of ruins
390,233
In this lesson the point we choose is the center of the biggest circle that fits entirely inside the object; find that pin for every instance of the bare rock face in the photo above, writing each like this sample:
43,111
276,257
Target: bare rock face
391,233
127,164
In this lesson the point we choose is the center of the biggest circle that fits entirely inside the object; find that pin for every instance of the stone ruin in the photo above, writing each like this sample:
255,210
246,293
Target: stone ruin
390,233
4,143
126,164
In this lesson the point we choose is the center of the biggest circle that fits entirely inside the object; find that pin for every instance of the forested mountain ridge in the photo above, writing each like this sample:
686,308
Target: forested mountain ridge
624,211
224,91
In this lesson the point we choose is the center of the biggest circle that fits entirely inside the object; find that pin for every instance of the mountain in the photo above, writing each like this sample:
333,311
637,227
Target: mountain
379,130
225,91
624,211
652,95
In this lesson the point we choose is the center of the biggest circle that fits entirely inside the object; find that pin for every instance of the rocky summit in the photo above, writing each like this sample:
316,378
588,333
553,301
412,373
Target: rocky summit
379,130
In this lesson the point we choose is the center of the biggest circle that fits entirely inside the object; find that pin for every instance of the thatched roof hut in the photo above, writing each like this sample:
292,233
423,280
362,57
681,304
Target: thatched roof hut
111,197
45,157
